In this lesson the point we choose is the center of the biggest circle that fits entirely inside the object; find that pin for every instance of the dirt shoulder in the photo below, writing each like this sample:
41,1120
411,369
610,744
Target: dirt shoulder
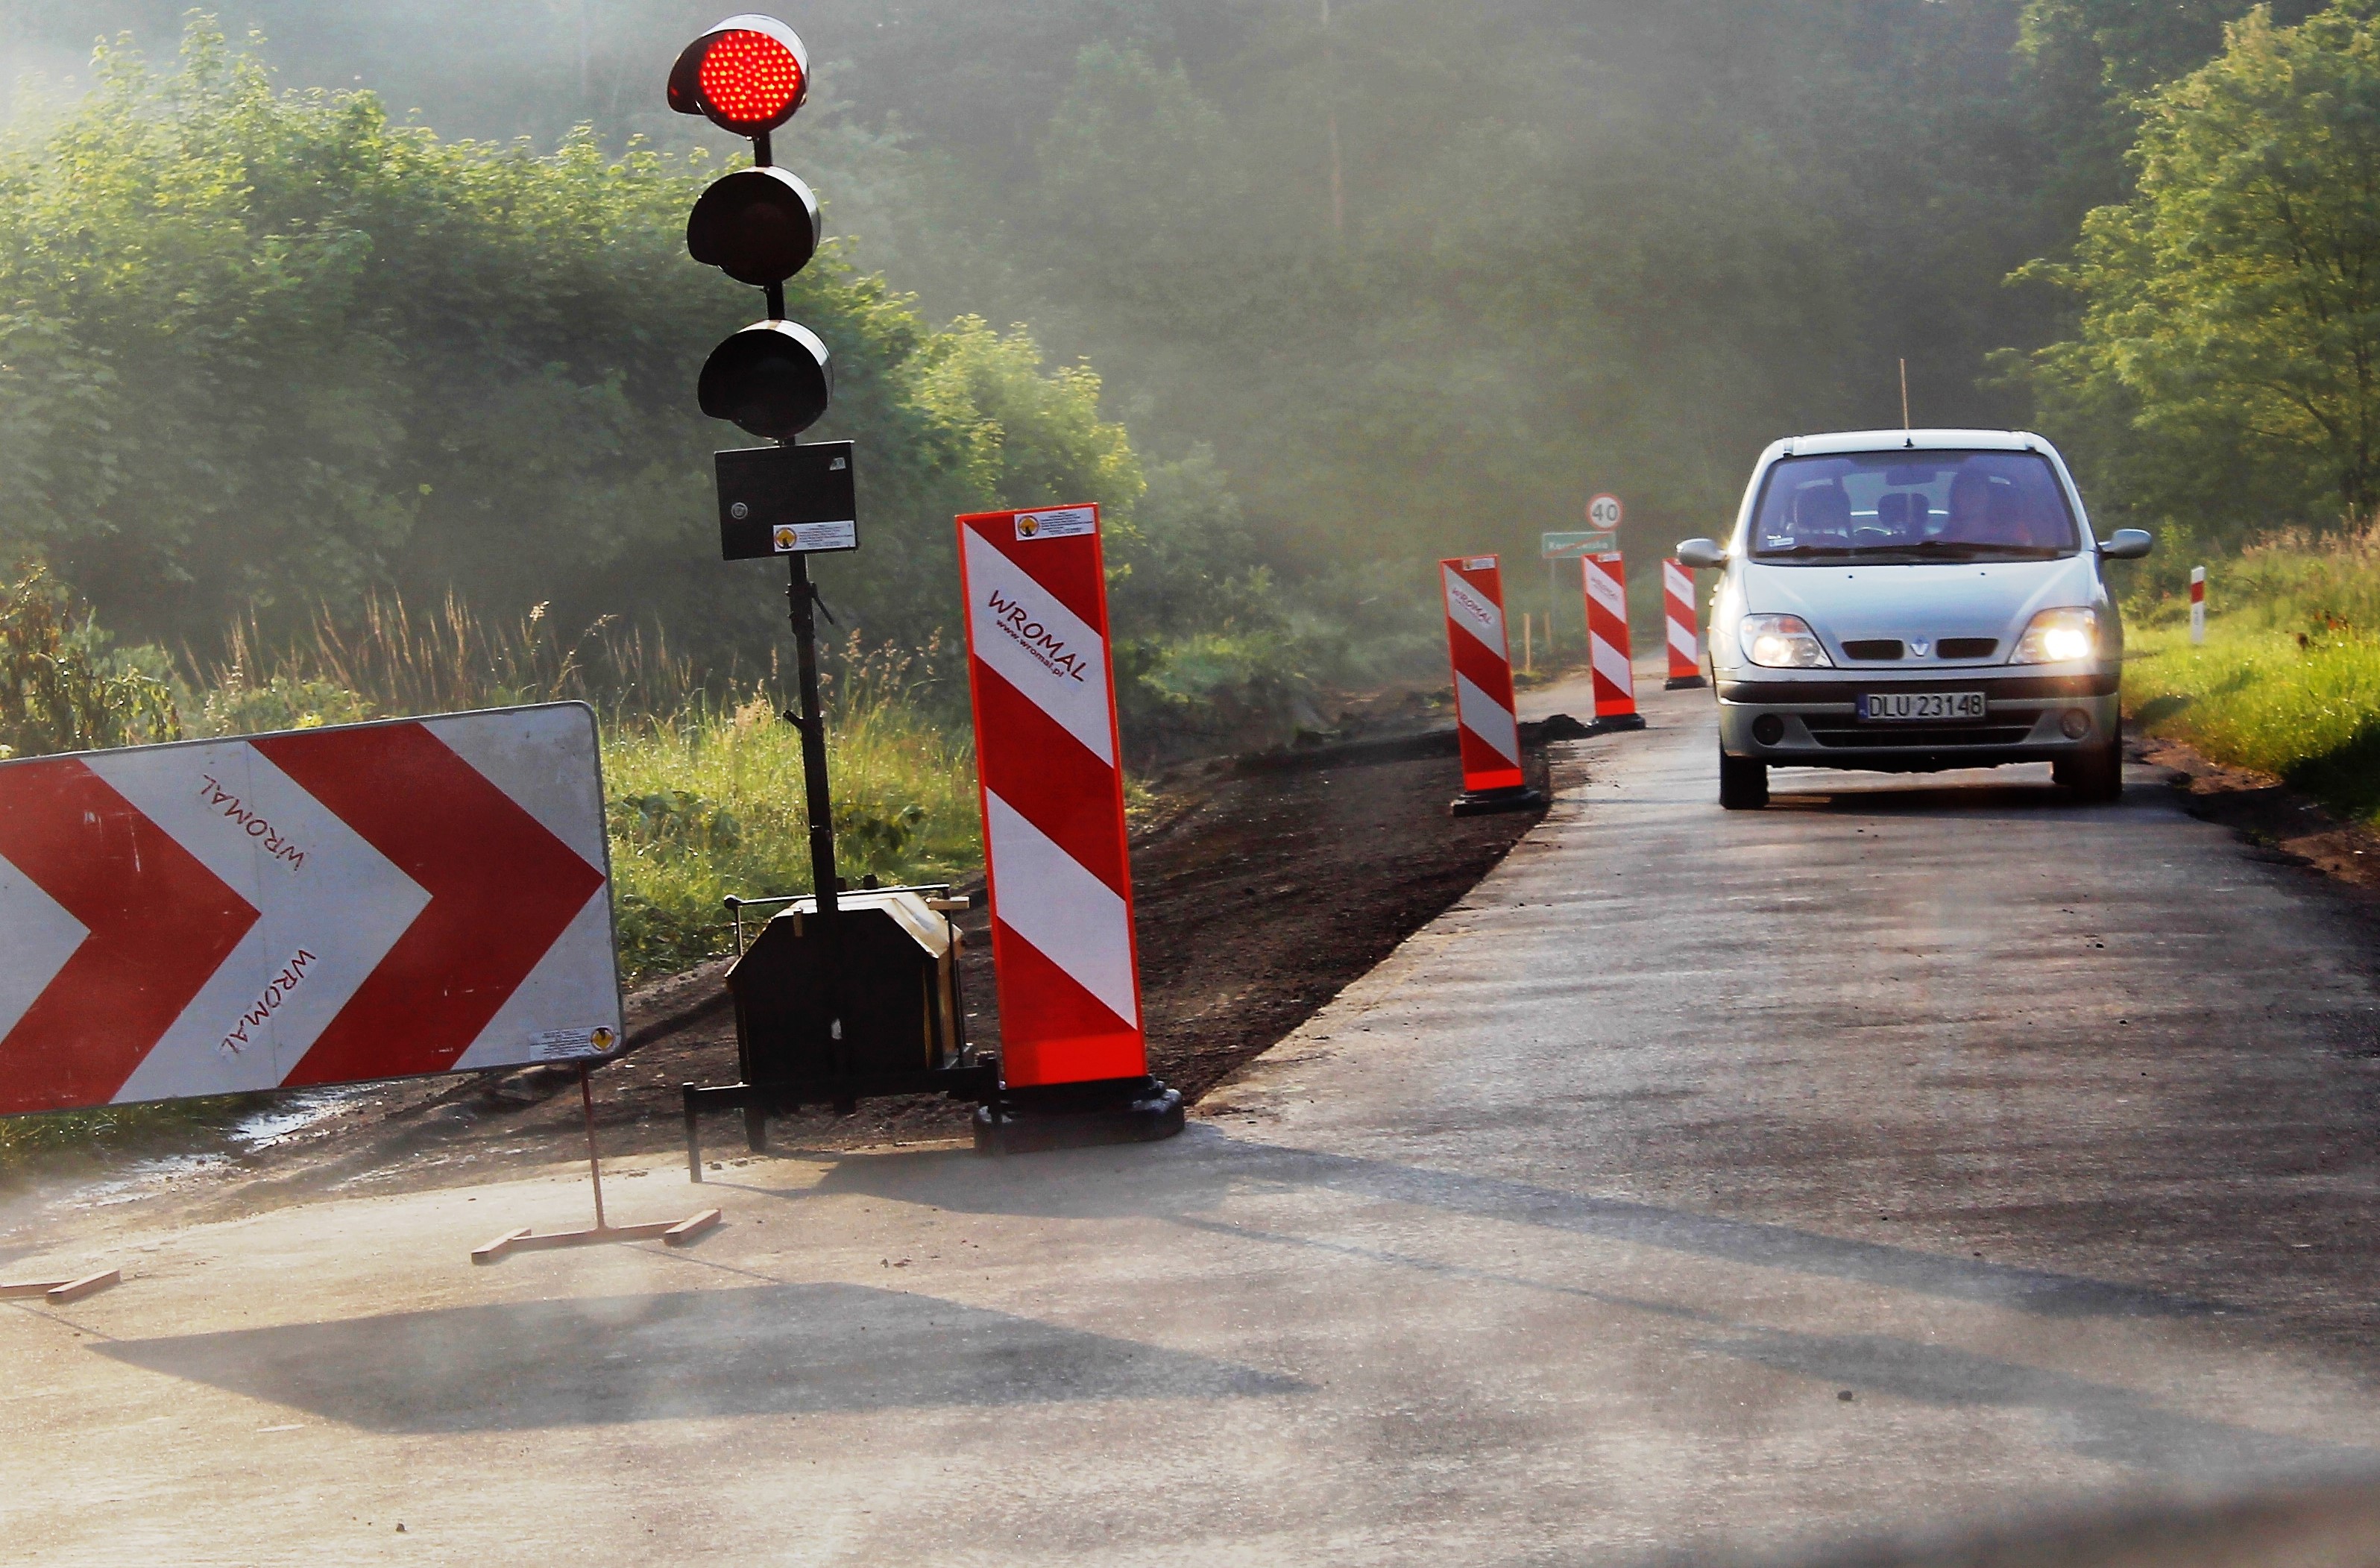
1261,887
2268,813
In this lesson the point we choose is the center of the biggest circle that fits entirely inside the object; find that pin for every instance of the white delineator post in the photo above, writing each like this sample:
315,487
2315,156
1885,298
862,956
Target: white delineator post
1685,625
1606,642
1485,724
2198,604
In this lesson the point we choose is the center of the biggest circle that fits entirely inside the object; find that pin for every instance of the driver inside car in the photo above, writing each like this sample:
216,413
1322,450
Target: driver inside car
1971,510
1822,517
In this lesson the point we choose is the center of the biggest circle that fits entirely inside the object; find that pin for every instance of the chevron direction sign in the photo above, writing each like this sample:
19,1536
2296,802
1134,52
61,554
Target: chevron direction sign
326,906
1052,788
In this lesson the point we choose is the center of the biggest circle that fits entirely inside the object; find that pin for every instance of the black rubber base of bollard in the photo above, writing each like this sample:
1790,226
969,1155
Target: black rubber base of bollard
1683,683
1481,803
1617,722
1029,1120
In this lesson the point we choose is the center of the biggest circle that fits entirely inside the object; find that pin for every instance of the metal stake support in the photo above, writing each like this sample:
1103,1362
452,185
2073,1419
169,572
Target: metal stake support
60,1292
676,1233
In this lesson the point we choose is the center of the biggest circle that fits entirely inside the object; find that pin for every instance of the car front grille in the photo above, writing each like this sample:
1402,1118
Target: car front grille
1886,649
1874,738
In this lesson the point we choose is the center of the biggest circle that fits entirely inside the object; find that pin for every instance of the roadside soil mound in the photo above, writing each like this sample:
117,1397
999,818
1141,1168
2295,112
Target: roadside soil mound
1261,887
2280,821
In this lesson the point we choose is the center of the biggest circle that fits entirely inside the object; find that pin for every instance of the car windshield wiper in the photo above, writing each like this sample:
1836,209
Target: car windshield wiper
1968,549
1913,550
1934,549
1954,549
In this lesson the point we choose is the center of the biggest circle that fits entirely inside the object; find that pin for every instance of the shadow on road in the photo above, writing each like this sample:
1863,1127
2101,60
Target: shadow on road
2100,1421
775,1350
1902,795
1206,1166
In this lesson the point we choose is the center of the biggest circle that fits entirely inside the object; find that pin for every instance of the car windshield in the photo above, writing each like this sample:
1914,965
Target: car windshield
1908,506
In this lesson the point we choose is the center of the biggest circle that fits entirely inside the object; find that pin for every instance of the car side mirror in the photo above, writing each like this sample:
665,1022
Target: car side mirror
1704,552
2130,544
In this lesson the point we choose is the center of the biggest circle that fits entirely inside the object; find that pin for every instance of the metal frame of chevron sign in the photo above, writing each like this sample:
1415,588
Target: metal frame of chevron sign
1050,781
1684,623
1607,636
326,905
1482,656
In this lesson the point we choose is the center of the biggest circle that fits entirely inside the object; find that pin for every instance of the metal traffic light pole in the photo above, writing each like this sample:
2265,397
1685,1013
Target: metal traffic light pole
818,802
801,597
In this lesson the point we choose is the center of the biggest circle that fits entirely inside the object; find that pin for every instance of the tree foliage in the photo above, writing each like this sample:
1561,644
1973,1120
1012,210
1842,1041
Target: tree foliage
262,351
1572,246
2229,353
2086,65
1368,282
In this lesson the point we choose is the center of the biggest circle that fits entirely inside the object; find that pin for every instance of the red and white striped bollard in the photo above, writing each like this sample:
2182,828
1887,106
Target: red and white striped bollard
1685,625
1606,642
1074,1058
1485,717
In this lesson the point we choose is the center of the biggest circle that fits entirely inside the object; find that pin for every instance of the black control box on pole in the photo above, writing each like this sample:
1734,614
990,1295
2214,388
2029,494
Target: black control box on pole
786,501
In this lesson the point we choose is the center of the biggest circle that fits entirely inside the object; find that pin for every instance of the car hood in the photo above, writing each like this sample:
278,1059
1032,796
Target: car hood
1993,598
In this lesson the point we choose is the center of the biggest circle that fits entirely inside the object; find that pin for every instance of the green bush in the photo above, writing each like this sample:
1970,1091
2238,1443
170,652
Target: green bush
59,688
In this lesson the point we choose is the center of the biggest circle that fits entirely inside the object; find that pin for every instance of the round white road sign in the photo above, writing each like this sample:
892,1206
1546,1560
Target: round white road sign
1603,512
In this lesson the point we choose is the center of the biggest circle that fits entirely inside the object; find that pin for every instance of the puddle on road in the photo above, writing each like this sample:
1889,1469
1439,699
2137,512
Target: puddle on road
284,1120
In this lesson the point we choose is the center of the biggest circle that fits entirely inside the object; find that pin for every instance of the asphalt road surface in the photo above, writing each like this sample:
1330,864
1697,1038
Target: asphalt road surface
1916,1151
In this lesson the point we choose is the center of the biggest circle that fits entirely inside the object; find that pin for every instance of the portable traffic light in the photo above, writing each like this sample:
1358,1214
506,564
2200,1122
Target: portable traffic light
822,1014
759,225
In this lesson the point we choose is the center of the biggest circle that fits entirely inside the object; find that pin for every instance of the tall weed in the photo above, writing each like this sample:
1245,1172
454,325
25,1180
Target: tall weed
702,774
707,801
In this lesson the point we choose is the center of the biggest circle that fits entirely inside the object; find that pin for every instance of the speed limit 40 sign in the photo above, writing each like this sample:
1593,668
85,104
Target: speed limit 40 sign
1603,512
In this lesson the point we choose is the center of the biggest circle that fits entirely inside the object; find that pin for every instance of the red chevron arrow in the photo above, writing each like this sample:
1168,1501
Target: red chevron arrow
501,889
159,923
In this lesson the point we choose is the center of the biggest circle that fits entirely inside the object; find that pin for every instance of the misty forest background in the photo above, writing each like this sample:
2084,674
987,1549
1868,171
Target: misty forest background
347,354
1308,293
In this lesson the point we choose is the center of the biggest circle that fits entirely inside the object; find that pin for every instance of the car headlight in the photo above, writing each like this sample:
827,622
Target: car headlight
2059,637
1782,642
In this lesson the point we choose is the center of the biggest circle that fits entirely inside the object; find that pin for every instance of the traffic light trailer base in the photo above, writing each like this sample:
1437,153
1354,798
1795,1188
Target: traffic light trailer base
978,1080
1029,1120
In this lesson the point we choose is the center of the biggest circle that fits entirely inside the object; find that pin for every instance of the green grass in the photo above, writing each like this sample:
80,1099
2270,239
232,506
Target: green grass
708,802
2289,679
702,778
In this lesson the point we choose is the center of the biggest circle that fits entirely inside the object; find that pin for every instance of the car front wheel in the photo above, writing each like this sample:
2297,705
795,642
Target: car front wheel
1742,783
2095,776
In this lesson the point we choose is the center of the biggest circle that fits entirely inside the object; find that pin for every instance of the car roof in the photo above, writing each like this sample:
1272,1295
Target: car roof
1907,439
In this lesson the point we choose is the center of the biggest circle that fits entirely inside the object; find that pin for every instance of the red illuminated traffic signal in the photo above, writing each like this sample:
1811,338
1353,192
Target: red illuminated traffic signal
748,75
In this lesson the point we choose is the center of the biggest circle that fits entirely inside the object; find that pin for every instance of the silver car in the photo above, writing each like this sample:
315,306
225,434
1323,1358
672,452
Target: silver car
1914,600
